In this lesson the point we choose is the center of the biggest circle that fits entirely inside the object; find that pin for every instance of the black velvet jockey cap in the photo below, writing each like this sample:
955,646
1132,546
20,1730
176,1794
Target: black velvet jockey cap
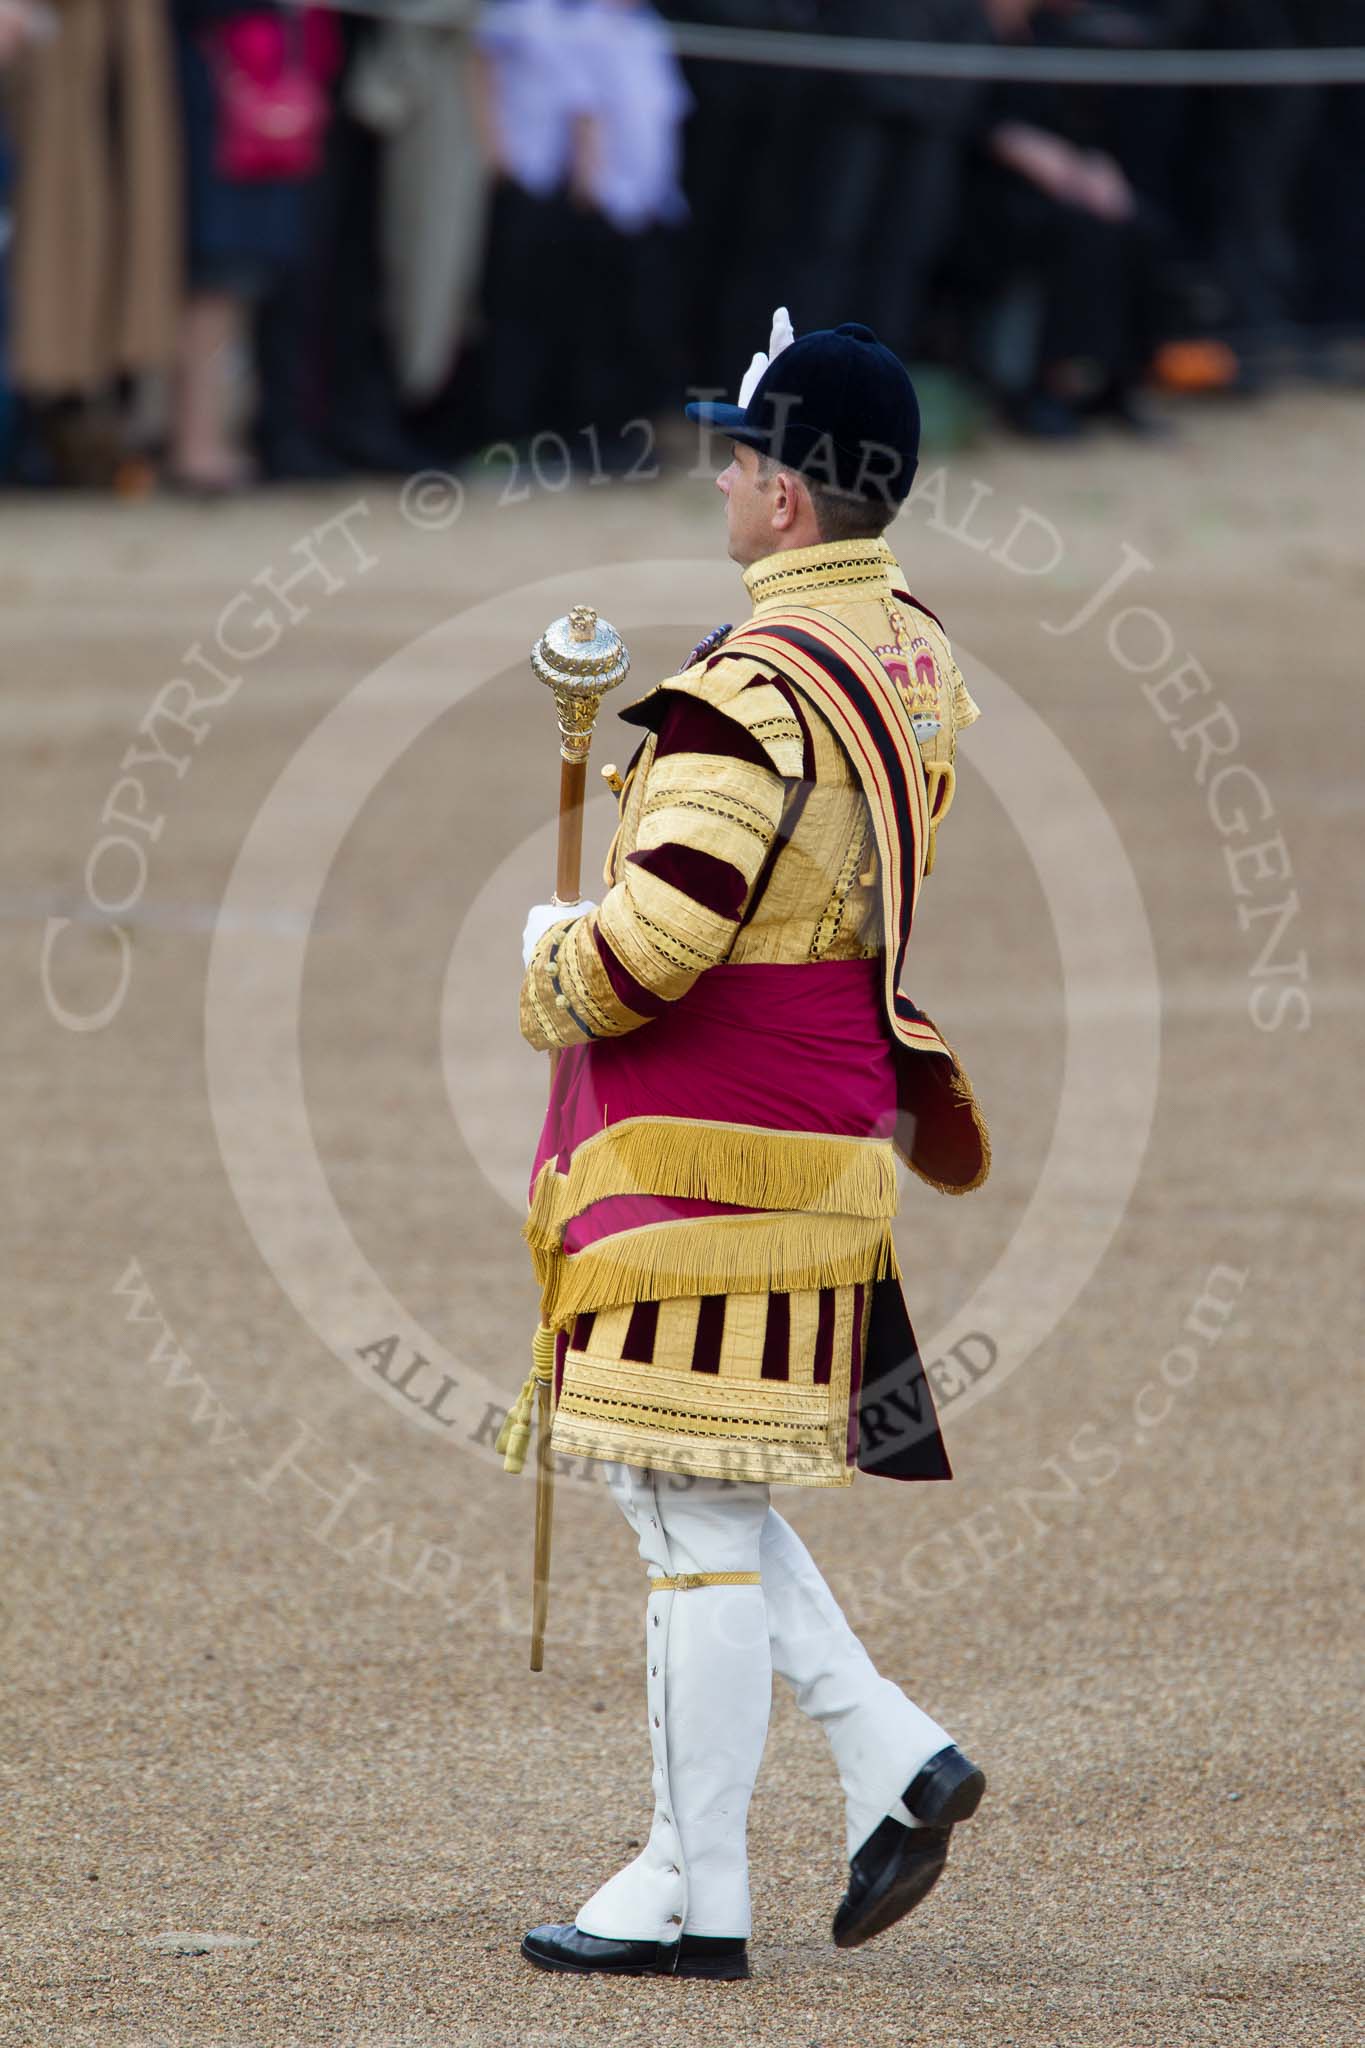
836,405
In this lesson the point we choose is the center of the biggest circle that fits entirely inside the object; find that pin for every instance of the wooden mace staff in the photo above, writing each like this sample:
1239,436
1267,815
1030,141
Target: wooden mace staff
579,657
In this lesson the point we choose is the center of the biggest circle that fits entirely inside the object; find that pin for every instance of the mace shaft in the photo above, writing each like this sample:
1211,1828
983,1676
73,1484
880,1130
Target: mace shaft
573,777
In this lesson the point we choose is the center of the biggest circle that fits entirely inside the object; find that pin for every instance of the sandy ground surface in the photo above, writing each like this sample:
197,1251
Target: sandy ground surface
265,1592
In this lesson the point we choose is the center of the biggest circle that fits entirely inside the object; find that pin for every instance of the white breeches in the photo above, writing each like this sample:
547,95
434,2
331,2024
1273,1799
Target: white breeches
710,1654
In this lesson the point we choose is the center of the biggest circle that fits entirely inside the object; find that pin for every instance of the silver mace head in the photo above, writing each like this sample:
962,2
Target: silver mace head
580,657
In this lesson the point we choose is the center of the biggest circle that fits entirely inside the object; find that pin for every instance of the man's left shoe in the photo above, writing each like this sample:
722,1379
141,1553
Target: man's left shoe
898,1866
695,1955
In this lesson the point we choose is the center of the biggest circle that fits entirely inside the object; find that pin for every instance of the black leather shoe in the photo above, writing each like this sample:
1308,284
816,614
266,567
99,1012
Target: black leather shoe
696,1955
898,1866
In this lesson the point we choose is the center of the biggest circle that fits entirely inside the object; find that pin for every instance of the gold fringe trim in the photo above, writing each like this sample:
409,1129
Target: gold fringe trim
687,1582
773,1254
539,1229
829,1175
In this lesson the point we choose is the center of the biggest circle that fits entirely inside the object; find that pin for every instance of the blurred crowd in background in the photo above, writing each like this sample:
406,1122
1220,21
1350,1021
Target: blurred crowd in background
263,241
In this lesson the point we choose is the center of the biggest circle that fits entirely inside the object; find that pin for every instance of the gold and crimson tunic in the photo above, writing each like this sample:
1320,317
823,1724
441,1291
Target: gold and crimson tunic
721,1330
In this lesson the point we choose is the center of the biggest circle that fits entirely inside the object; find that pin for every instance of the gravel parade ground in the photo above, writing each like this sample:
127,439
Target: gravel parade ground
276,1774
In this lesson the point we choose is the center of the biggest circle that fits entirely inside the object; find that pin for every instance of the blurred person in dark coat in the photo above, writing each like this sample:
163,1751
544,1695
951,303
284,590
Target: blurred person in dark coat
1272,183
1245,148
1054,215
884,172
752,131
1328,201
631,186
537,109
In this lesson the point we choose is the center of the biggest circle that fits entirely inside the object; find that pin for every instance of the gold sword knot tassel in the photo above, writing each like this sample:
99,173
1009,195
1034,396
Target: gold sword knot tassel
514,1437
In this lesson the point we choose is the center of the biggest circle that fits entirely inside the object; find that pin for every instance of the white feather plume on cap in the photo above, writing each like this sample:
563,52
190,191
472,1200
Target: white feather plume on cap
781,337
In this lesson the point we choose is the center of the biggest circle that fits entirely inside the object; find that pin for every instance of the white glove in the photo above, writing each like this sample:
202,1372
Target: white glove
543,916
780,338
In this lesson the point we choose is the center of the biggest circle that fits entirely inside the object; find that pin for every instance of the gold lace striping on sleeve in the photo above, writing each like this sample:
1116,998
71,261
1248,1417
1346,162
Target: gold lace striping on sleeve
966,710
660,937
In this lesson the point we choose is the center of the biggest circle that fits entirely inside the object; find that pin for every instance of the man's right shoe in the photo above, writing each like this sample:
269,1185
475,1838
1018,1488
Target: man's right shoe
898,1866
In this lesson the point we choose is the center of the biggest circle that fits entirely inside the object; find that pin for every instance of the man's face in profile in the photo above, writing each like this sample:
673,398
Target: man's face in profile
748,521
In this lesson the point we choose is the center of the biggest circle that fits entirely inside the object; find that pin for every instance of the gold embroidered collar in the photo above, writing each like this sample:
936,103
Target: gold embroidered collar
798,575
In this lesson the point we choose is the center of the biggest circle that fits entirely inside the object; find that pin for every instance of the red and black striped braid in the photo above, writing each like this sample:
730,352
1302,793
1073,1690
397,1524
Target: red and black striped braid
826,660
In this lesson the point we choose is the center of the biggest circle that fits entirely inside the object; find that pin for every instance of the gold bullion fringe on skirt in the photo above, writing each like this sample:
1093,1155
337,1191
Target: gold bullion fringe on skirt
829,1175
778,1253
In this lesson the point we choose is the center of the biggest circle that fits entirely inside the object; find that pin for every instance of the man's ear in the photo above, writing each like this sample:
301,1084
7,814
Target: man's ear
786,501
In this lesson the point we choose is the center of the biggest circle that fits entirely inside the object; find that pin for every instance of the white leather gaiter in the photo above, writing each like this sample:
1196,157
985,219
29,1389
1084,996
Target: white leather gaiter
708,1690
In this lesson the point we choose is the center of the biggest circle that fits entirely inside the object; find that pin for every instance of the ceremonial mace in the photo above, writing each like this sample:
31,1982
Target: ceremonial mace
579,657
